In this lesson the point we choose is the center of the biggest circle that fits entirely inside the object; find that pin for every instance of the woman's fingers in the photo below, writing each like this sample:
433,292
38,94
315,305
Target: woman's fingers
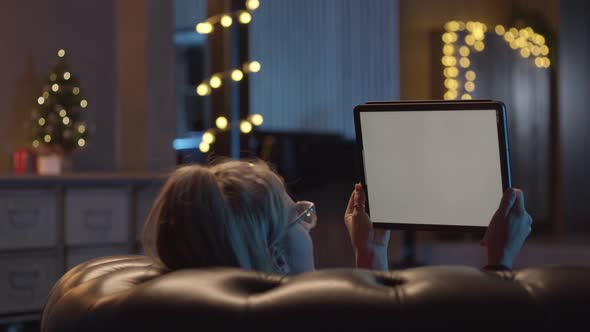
359,197
507,202
519,206
350,206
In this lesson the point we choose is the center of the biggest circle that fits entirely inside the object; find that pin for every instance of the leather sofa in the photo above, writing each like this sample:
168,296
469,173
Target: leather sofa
132,293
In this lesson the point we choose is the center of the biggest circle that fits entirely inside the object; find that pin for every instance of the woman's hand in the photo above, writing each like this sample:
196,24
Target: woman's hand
510,226
369,245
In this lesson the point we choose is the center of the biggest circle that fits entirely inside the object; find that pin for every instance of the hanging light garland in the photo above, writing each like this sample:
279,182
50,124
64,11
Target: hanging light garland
216,80
236,75
456,53
226,20
222,124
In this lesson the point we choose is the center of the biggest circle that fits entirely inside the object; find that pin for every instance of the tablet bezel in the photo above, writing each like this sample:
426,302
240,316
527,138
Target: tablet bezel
401,106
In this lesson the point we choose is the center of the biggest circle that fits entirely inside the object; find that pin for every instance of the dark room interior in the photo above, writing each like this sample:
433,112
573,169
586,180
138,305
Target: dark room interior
101,101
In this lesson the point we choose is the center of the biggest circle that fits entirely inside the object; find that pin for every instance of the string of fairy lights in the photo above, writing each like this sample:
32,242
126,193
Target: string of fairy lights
216,80
456,51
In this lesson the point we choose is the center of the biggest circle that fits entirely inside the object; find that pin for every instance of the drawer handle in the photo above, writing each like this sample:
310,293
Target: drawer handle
23,218
98,220
23,280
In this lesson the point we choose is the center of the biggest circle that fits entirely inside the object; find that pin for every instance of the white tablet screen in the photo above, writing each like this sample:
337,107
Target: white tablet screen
432,167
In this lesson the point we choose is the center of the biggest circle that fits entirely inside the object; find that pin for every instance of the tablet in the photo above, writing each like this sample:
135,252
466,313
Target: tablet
429,165
412,101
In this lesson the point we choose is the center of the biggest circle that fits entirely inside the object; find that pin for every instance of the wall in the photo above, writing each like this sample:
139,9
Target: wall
31,32
574,101
320,59
146,117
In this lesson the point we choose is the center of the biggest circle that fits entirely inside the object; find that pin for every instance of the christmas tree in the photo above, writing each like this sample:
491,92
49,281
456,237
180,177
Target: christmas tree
57,125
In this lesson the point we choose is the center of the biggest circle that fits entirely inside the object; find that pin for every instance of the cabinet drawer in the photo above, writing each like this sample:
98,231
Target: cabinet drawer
25,281
97,216
27,218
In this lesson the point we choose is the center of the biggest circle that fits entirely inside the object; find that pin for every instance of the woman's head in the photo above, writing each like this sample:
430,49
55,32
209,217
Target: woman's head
232,213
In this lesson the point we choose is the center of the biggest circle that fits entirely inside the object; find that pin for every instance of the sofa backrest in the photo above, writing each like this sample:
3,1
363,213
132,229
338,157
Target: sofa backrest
132,293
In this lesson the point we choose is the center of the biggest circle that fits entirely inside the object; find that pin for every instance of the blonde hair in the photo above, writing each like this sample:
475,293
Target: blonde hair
232,213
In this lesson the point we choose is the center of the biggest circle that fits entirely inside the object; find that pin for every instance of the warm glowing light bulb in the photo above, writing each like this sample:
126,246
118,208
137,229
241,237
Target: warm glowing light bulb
66,120
221,122
500,30
256,119
546,62
244,17
469,86
479,46
469,39
237,75
466,96
449,37
61,53
215,81
539,39
41,121
67,75
525,52
55,87
448,49
81,142
478,33
449,60
464,51
45,94
62,113
226,21
47,138
245,127
36,143
544,50
40,100
252,4
208,137
450,95
513,44
204,147
470,75
83,103
203,89
76,90
452,26
464,62
81,129
451,84
204,28
254,66
451,72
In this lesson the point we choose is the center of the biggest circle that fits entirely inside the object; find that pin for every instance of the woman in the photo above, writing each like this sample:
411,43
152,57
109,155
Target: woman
238,213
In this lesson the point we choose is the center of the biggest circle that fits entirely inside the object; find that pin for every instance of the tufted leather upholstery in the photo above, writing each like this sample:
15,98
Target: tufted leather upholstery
131,293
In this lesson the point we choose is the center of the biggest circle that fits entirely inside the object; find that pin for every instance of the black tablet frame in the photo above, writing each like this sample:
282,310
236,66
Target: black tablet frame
402,106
